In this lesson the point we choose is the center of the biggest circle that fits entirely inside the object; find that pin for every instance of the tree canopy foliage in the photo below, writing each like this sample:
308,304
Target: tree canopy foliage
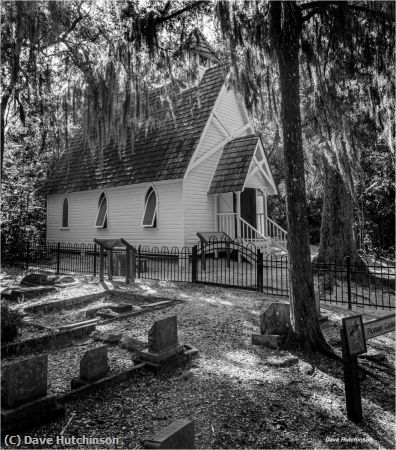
317,76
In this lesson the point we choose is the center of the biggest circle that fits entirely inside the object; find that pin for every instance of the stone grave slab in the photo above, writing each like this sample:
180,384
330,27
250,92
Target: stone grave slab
163,335
33,413
163,350
94,364
132,344
106,313
24,380
275,319
268,340
179,434
121,307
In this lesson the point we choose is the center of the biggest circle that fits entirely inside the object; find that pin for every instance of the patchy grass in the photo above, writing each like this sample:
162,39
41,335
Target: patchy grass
236,394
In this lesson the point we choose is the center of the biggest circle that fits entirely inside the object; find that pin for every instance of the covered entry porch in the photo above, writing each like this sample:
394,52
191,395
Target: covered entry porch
241,186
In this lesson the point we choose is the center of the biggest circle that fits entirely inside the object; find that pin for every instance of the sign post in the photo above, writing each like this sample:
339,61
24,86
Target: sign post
353,338
353,344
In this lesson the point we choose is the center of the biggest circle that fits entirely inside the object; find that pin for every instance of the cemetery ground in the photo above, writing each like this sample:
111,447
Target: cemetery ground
237,394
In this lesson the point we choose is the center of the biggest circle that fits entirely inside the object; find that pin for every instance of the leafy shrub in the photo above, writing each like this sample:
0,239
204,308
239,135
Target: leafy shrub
11,323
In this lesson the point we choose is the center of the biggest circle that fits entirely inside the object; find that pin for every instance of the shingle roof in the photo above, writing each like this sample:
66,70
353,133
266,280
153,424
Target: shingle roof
161,154
197,43
233,165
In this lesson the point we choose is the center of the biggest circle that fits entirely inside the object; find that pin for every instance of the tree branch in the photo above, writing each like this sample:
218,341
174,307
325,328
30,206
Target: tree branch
318,4
320,7
192,5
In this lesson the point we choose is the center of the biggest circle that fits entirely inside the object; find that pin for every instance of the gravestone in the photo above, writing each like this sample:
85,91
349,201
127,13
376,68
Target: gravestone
25,402
179,434
163,350
275,319
274,325
24,381
94,364
163,335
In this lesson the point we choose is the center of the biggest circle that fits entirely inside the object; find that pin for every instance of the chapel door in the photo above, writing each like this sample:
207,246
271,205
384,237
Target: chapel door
248,206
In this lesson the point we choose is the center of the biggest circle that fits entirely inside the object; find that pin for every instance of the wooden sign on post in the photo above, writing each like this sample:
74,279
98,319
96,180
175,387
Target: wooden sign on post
354,334
353,343
380,326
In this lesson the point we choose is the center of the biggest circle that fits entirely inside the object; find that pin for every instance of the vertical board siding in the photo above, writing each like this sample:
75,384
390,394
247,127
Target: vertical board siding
198,205
125,212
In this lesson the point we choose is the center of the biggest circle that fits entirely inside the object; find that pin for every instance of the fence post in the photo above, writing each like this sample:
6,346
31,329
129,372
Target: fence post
194,258
27,255
58,258
351,379
139,261
348,264
101,262
259,269
110,270
94,261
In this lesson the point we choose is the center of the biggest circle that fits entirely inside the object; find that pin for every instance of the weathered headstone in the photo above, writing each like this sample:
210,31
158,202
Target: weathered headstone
179,434
163,351
25,402
275,319
24,381
163,335
274,325
94,364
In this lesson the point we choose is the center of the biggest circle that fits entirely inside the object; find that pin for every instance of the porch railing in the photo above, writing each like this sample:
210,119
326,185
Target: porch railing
273,230
251,235
228,223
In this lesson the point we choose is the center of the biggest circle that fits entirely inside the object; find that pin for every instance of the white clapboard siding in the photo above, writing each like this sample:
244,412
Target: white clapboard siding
199,207
230,111
125,212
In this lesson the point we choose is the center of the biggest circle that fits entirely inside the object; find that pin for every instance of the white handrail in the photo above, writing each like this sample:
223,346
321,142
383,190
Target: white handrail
272,230
267,230
277,226
251,235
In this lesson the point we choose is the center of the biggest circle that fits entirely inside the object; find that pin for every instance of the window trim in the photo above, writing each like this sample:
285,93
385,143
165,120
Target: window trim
66,198
154,223
104,225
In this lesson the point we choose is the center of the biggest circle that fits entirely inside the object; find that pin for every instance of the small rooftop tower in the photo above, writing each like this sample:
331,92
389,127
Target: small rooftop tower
200,51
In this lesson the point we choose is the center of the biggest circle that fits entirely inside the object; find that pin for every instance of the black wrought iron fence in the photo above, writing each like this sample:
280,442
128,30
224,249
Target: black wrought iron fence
226,263
58,257
363,284
172,264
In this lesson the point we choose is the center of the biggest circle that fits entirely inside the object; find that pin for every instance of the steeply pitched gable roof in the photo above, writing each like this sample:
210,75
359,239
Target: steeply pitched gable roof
197,43
234,164
161,154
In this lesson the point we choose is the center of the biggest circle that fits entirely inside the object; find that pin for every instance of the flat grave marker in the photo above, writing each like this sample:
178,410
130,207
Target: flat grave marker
179,434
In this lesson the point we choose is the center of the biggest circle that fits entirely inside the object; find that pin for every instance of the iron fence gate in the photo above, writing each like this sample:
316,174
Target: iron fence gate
237,264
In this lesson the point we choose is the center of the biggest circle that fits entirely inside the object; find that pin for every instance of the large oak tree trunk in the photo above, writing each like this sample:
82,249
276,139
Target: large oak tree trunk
285,31
337,240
